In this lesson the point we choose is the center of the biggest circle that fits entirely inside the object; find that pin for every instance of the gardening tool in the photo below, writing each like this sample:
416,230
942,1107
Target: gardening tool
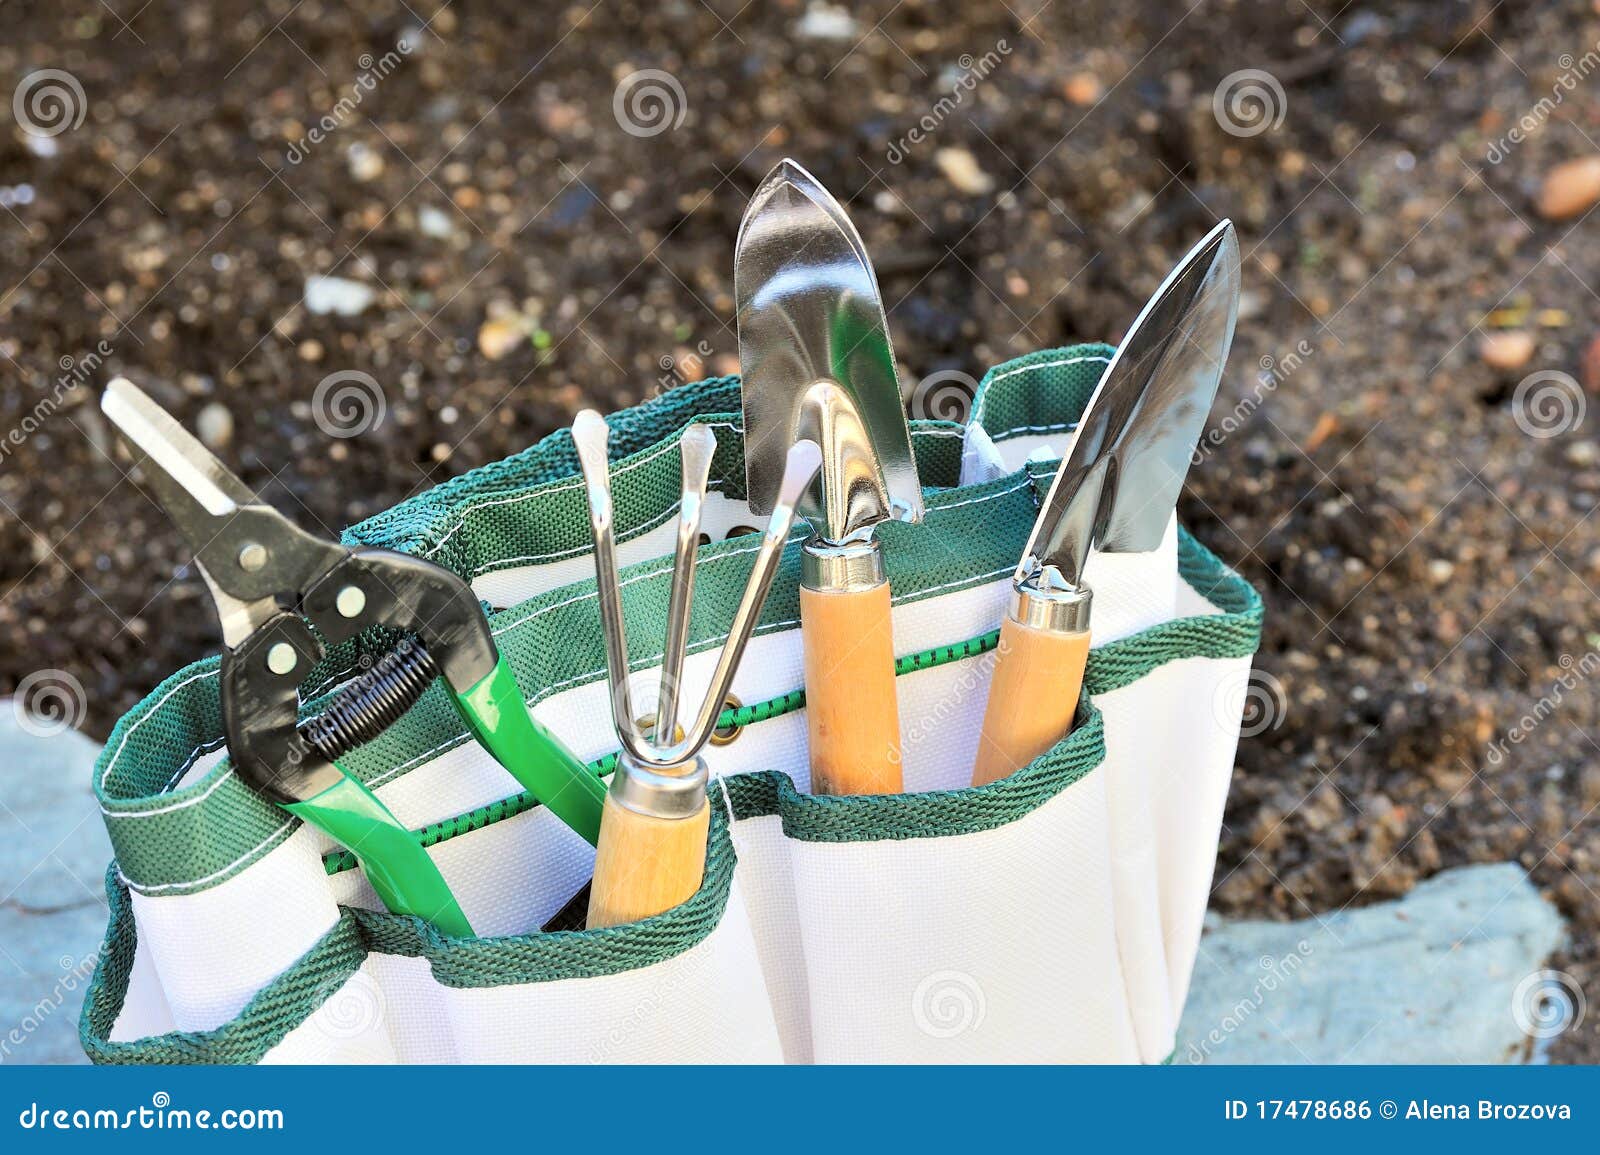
1115,490
651,855
817,364
269,578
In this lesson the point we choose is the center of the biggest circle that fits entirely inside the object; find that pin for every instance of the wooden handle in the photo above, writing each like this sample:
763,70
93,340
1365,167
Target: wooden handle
1032,697
645,865
851,711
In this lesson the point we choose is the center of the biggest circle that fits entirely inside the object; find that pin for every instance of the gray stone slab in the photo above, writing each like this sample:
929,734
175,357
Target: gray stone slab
1440,976
53,856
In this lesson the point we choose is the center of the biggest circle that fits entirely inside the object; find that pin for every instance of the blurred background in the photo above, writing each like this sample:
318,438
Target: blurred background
447,227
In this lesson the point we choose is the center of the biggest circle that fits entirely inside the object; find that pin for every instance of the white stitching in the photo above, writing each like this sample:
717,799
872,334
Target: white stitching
1065,361
561,487
145,718
577,483
156,888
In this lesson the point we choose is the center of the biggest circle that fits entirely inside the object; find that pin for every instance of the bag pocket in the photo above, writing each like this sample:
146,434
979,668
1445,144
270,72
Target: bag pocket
683,986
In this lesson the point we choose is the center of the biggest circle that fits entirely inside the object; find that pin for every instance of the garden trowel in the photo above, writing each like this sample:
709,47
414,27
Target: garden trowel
817,364
1115,490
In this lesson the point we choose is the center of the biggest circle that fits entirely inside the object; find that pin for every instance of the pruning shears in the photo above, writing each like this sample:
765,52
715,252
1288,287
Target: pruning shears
282,594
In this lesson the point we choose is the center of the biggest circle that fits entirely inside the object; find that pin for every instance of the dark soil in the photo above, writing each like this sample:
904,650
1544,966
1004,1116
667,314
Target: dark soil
1429,568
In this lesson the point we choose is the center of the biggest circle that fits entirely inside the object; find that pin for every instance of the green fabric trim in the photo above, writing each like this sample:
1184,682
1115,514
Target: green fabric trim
1039,393
932,814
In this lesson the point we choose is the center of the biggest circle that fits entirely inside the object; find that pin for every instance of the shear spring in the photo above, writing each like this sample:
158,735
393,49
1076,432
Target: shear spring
372,702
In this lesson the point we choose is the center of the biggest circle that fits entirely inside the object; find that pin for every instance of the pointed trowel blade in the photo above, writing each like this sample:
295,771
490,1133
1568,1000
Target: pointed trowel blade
817,362
1125,467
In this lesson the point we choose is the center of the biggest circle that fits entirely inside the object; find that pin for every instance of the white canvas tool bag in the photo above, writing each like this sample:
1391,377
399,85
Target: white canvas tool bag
1051,916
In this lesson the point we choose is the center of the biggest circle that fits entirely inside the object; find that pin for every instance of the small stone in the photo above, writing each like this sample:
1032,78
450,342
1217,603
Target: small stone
961,169
309,350
366,164
498,338
214,424
1569,189
825,22
1589,366
1583,454
1510,349
1082,88
338,295
1440,571
435,223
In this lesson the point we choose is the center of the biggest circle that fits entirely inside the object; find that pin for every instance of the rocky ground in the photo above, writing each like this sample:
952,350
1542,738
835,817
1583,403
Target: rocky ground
512,226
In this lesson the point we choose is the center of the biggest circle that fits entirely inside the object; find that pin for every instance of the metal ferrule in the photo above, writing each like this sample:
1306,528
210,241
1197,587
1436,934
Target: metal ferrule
841,567
655,792
1056,609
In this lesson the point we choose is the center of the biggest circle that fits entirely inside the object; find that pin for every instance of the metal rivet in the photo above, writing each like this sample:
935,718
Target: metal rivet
722,735
646,724
252,556
351,601
281,658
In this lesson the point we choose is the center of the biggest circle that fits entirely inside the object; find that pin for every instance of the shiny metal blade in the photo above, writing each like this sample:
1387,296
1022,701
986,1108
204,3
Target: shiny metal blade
817,361
194,472
1133,446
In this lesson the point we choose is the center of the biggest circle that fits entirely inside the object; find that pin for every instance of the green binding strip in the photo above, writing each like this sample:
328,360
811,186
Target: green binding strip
1040,393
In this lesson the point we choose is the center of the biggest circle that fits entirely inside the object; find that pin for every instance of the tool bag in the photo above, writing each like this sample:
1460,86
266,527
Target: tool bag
1050,916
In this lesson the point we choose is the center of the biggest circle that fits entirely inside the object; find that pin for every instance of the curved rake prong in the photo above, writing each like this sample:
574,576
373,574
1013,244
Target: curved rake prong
697,446
590,433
